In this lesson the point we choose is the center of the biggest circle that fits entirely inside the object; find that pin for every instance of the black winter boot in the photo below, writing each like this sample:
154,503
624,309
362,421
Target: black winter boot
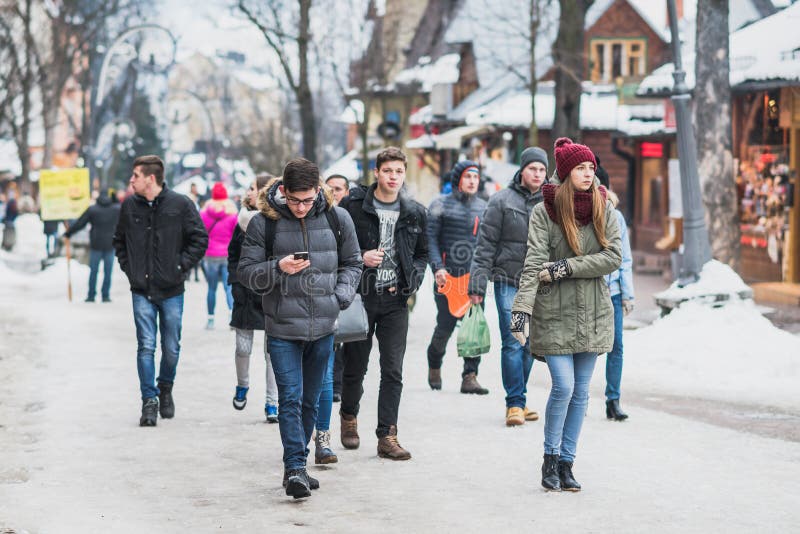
568,482
550,480
313,483
149,412
613,410
297,484
167,407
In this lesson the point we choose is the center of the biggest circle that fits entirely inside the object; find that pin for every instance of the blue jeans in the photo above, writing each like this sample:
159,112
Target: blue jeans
95,256
150,317
516,361
566,407
216,271
325,404
614,358
300,367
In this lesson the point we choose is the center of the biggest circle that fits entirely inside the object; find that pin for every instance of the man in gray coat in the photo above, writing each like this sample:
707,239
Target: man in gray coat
302,254
500,254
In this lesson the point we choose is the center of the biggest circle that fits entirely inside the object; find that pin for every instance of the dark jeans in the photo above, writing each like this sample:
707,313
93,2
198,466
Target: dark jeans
150,317
299,369
388,321
445,324
95,256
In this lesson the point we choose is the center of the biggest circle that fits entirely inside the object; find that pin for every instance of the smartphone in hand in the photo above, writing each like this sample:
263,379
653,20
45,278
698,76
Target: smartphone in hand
301,255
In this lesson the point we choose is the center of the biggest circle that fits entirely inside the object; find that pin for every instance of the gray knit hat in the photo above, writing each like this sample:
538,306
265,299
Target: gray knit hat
531,154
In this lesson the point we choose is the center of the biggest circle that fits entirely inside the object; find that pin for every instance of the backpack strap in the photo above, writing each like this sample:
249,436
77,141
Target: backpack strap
269,235
336,227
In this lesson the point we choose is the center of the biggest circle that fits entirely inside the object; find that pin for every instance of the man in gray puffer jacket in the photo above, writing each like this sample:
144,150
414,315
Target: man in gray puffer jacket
306,278
500,254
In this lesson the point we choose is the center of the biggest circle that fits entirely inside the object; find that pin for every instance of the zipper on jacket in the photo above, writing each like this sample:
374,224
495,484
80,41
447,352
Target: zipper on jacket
304,231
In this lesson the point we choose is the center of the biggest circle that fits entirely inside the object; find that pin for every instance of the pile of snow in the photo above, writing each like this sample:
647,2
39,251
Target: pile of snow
715,279
729,353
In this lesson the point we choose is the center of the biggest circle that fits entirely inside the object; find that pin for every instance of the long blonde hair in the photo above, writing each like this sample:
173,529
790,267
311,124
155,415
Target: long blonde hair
565,212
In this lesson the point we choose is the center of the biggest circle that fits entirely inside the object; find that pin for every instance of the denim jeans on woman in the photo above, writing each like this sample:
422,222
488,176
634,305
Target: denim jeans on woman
614,358
150,317
325,404
569,397
300,367
516,361
216,271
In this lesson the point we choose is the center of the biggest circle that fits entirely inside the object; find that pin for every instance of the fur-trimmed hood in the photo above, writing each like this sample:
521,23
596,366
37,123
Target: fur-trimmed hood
272,203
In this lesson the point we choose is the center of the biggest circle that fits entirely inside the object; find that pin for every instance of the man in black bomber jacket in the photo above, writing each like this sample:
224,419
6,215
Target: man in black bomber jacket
391,234
159,239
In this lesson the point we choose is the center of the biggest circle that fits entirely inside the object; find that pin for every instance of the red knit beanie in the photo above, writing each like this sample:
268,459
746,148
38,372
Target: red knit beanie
218,192
569,155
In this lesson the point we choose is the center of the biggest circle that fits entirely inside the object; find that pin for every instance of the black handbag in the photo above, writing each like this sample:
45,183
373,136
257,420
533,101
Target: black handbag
352,324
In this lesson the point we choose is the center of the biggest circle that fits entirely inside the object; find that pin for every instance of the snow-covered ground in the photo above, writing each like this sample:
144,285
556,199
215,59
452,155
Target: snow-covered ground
74,459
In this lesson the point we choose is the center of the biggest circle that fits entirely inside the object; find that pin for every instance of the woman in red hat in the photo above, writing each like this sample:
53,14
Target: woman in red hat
573,242
219,216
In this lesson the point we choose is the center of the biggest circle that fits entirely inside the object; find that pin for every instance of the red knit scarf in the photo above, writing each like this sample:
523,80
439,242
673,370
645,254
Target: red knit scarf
582,199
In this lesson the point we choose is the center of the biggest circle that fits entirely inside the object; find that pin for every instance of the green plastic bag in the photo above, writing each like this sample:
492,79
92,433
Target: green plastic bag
473,335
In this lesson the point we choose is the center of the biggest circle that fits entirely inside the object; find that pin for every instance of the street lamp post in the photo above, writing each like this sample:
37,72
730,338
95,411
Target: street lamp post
696,248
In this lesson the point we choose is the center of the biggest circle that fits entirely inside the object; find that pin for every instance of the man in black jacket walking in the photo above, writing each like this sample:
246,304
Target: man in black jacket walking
103,216
391,235
159,238
500,255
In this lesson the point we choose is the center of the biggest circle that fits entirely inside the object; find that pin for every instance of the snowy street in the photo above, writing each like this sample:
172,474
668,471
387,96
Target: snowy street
712,443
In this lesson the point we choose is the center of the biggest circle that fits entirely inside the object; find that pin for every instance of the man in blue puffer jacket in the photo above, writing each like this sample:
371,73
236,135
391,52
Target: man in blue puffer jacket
453,222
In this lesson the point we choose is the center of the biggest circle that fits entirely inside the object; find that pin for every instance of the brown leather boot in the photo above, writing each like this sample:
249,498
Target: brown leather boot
388,447
469,384
350,439
435,378
531,415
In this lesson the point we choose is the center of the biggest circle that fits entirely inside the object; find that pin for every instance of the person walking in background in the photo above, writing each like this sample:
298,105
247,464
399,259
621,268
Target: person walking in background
158,239
340,187
300,241
453,223
563,301
50,229
103,216
391,234
219,216
499,255
620,287
247,317
9,218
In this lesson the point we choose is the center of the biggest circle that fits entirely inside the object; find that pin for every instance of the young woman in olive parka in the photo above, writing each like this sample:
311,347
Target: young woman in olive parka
573,241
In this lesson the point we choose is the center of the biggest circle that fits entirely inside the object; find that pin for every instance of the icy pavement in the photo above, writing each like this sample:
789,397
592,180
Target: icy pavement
74,459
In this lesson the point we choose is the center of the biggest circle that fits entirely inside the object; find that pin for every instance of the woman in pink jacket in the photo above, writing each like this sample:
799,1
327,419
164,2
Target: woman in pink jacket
220,217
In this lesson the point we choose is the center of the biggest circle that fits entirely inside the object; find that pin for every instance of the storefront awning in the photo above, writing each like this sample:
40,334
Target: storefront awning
452,139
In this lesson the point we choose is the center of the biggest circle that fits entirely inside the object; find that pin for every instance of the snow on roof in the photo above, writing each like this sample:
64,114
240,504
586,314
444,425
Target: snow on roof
768,49
429,73
599,111
653,13
423,115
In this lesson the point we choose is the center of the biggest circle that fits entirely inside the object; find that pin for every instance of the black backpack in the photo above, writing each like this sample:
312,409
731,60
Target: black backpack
271,224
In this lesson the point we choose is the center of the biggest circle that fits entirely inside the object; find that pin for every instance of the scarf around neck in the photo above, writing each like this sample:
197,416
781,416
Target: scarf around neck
582,201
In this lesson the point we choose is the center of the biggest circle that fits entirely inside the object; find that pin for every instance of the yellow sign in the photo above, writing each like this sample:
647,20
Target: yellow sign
63,194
